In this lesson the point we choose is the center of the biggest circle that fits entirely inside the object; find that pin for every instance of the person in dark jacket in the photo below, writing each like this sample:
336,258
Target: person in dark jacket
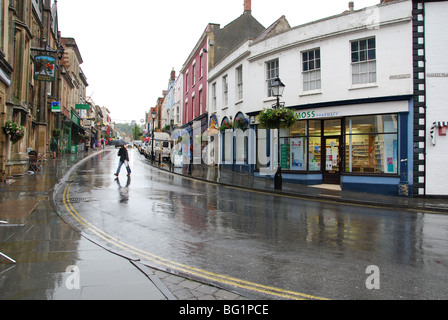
124,159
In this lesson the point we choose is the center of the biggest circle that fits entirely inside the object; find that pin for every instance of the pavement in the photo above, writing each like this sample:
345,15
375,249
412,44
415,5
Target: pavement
43,258
213,174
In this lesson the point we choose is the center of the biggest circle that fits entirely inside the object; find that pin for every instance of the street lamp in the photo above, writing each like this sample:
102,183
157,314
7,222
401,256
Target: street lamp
277,88
154,116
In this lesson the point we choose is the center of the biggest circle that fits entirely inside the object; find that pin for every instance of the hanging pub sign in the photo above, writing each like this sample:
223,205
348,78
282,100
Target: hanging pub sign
45,68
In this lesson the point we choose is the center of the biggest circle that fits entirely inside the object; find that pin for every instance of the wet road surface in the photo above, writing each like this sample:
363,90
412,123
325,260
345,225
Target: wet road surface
272,246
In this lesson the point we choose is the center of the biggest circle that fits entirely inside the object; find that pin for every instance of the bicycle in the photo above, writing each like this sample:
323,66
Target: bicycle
36,161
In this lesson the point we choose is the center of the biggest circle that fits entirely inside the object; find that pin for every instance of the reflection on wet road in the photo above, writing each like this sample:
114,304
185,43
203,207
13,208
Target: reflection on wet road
273,245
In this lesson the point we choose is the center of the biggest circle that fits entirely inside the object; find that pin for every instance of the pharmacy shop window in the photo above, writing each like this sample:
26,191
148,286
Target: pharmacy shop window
372,144
300,146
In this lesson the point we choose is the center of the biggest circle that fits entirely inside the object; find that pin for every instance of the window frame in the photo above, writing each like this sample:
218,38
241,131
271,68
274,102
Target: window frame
225,91
272,72
313,68
363,60
239,83
214,97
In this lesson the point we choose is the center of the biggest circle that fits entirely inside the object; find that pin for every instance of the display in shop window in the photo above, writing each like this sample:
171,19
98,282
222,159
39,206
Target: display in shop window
297,154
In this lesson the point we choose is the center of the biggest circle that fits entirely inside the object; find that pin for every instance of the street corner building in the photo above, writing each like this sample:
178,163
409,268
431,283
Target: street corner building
42,88
368,86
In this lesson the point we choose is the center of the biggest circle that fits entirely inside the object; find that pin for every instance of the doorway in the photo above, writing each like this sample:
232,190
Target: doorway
332,160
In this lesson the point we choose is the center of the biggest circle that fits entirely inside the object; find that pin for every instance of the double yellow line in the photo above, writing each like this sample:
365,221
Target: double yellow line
203,274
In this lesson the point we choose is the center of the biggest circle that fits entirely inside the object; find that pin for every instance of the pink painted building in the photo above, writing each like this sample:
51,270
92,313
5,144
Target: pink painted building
214,44
195,82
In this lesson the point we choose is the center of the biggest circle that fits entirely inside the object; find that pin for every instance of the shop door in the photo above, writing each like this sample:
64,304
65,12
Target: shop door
332,160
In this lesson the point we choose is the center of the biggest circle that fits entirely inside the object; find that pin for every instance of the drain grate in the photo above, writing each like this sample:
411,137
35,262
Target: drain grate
77,200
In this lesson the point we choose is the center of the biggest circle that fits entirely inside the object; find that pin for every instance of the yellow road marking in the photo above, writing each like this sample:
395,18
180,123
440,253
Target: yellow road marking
178,266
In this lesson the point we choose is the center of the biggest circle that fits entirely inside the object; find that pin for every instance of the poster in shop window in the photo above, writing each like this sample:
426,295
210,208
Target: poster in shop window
296,154
284,152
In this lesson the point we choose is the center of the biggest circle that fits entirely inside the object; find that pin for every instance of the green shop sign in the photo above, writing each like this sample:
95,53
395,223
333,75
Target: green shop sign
75,118
82,107
312,114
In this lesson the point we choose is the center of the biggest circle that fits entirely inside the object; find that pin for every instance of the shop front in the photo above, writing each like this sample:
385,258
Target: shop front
234,146
72,132
360,146
192,139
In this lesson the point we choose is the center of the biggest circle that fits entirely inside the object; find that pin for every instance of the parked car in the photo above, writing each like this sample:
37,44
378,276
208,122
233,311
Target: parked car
146,149
165,146
140,147
161,142
136,145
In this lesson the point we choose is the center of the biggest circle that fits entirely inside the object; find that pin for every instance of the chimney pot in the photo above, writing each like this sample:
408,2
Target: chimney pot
351,6
247,5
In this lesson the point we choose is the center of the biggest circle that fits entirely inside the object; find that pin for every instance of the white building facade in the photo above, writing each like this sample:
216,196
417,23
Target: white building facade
177,106
431,107
350,79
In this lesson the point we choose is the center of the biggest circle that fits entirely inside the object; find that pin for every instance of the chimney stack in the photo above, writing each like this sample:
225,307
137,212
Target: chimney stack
351,6
247,5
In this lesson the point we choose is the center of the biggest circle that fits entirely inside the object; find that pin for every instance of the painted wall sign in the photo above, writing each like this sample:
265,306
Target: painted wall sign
354,110
437,75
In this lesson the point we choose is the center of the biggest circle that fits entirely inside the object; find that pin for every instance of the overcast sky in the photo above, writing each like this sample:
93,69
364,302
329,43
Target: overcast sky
130,47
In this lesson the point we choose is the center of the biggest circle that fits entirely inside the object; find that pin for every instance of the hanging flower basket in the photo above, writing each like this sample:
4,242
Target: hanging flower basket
225,126
57,133
15,131
241,123
280,117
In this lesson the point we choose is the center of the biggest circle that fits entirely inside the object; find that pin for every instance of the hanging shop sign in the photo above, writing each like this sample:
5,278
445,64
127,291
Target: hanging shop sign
82,106
44,68
56,106
75,118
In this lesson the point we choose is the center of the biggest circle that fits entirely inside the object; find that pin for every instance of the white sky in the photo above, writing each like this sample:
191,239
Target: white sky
130,47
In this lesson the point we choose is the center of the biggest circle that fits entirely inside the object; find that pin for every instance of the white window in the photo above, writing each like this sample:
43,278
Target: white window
200,102
225,91
201,66
194,73
213,97
272,69
311,70
193,106
363,61
239,83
